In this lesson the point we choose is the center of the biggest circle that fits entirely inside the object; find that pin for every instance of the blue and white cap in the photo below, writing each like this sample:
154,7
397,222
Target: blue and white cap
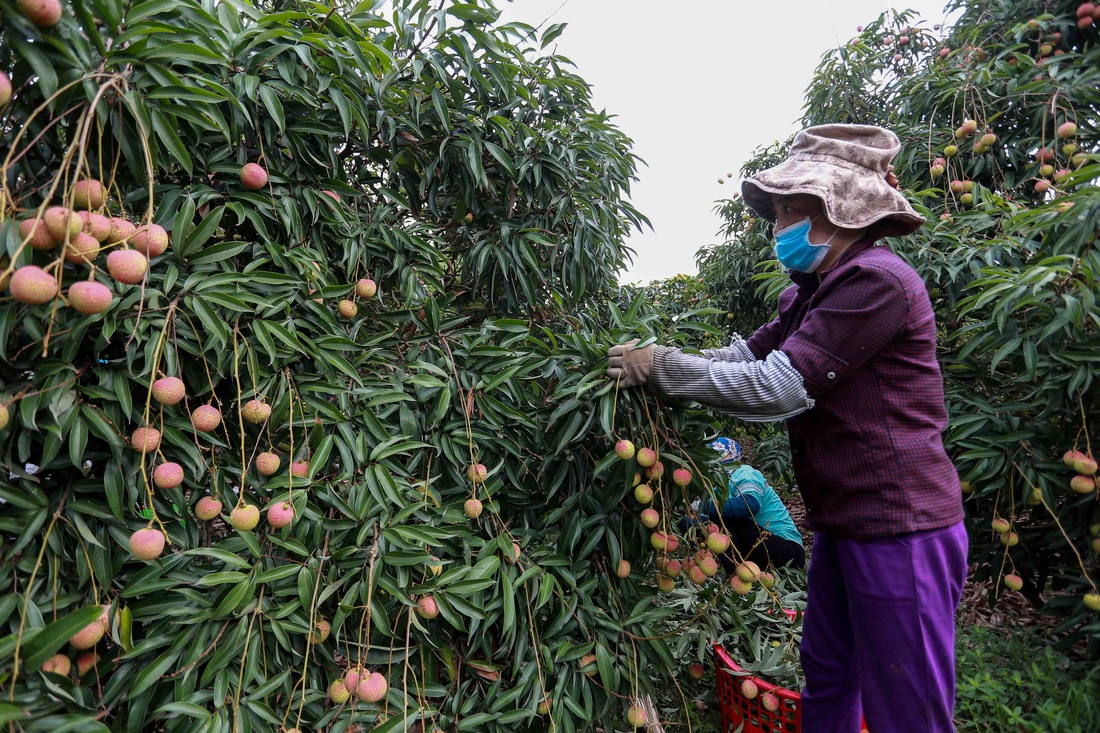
728,448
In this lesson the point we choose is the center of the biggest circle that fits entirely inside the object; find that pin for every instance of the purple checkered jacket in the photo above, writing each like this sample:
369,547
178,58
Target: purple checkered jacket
869,456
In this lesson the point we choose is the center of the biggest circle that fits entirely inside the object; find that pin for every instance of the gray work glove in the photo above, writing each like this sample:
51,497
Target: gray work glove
629,365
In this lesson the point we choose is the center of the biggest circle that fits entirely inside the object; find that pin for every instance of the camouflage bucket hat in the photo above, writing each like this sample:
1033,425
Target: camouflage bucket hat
846,167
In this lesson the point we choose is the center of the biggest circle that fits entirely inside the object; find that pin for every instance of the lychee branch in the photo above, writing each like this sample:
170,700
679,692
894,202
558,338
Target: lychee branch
1080,560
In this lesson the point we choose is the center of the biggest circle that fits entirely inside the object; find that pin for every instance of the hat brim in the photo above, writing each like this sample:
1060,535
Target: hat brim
851,199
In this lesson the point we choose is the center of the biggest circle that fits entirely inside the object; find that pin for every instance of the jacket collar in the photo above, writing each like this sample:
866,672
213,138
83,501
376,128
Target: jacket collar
808,282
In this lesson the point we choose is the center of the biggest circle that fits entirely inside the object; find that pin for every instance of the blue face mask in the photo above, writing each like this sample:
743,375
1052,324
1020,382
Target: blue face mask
795,250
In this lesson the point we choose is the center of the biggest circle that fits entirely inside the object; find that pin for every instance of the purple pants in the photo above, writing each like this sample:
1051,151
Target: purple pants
879,632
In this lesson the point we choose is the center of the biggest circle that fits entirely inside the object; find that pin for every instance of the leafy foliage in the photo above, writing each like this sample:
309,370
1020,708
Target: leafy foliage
467,174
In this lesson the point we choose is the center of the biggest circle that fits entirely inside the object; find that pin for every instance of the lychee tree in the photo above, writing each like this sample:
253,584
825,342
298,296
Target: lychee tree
292,273
998,116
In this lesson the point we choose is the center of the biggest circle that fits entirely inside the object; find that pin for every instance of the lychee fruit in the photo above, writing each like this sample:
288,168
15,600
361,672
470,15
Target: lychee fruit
151,241
624,449
351,679
696,574
1092,601
335,196
427,608
168,390
1014,582
635,715
43,13
650,518
739,586
373,688
672,568
1084,465
280,515
86,662
708,565
244,518
145,440
1010,539
681,477
347,309
32,285
477,473
58,664
300,469
147,544
623,571
643,494
950,151
1000,525
718,542
588,665
472,508
255,411
338,693
1061,174
121,231
90,297
656,471
208,508
646,457
665,584
659,541
514,557
127,266
81,249
5,89
267,463
1044,154
769,702
205,418
967,128
168,475
1083,484
696,670
89,193
987,140
366,288
1069,149
62,222
89,636
748,571
321,630
749,690
1067,130
545,705
253,176
36,234
5,416
767,580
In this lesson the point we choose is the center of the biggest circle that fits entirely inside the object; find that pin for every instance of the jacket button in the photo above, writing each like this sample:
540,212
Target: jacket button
831,375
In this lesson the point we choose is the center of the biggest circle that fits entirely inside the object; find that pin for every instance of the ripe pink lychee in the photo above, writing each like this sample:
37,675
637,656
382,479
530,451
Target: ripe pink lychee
708,565
351,679
147,544
335,196
43,13
5,89
635,715
472,508
208,508
672,568
545,706
1014,582
121,231
646,457
86,662
145,440
62,222
769,702
588,665
347,309
681,477
514,557
366,288
718,542
90,297
373,688
643,494
696,670
58,664
300,469
267,463
127,266
321,630
659,541
32,285
1085,465
656,471
1042,186
338,692
767,580
151,241
623,571
624,449
1067,130
1083,484
749,689
81,249
255,411
427,608
748,571
665,584
168,475
253,176
88,637
89,193
1044,154
244,518
36,234
280,515
696,574
477,473
168,390
205,418
1071,457
650,518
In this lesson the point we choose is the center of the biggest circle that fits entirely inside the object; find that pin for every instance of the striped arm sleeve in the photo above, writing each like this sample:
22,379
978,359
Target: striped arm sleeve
738,350
757,391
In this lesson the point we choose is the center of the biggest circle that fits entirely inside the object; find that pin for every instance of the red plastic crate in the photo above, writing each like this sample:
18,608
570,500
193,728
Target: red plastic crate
737,710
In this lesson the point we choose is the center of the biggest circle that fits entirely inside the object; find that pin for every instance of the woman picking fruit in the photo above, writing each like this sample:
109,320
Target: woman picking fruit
850,364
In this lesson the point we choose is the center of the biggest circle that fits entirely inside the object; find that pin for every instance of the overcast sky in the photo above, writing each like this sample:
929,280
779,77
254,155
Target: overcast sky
698,85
